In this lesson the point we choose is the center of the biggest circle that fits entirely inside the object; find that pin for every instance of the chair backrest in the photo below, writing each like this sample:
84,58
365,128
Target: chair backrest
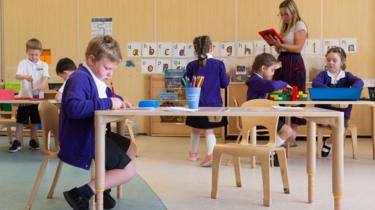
248,123
49,117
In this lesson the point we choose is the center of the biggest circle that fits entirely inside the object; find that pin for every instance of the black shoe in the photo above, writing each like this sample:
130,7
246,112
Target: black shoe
16,146
275,161
325,150
108,201
34,145
76,199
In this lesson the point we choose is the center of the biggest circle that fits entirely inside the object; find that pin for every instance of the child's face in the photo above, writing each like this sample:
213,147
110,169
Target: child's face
66,74
268,72
285,15
33,55
103,69
334,62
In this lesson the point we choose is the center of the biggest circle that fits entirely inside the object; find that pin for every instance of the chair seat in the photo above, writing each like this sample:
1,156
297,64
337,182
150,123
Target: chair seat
8,122
246,150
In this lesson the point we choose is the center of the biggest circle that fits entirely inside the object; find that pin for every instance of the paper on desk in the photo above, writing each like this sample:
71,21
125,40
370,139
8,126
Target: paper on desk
178,109
287,107
140,108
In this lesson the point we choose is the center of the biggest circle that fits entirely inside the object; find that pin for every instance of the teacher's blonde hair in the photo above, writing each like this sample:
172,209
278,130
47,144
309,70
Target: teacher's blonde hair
291,6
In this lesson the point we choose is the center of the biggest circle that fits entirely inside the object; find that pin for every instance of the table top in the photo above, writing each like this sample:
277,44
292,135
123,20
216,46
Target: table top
224,111
359,102
28,101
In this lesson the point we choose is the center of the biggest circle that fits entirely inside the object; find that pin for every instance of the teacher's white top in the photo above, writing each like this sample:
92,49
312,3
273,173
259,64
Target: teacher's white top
299,26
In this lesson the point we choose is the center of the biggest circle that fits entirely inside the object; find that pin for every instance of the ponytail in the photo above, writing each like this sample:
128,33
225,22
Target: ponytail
202,46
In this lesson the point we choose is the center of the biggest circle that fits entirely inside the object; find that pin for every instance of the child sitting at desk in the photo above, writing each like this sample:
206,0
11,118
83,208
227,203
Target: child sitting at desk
335,76
84,93
64,68
260,84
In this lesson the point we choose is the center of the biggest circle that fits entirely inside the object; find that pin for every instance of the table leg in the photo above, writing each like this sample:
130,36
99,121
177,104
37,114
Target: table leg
99,160
373,131
311,159
338,162
120,126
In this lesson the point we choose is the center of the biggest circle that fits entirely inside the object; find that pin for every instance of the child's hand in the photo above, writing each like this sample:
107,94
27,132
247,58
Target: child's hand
126,103
273,41
29,78
117,103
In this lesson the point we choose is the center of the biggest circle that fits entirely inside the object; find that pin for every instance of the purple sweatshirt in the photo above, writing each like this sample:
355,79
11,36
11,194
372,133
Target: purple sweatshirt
324,81
258,87
214,78
76,123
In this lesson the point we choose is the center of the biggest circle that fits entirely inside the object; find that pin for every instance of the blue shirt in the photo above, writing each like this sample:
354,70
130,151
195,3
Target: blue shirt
324,81
214,78
258,87
79,101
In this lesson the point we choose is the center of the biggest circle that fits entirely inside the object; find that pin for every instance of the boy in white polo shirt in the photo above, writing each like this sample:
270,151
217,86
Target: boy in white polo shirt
33,76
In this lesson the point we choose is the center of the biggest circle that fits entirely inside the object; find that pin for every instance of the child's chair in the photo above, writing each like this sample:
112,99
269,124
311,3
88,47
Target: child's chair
352,129
8,120
244,149
50,123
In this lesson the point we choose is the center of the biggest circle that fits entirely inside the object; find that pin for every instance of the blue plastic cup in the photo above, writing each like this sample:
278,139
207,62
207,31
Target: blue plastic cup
192,97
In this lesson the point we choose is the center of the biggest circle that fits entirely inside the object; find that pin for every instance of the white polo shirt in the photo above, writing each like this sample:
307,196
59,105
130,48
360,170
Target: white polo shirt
100,85
37,70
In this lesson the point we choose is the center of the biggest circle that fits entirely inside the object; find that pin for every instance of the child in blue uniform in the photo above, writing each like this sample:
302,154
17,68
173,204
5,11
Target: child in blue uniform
335,76
260,85
215,78
85,92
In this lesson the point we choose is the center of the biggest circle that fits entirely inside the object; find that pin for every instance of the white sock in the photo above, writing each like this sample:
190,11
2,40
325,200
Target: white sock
279,141
194,143
211,141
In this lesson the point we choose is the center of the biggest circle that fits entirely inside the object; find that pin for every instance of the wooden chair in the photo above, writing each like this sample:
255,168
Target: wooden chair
8,120
50,123
244,149
351,129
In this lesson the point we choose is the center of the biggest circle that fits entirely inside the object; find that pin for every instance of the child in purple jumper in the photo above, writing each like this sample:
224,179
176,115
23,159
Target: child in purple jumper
335,76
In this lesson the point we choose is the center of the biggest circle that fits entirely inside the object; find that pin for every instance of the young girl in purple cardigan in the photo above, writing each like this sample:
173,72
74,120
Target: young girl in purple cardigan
260,84
335,76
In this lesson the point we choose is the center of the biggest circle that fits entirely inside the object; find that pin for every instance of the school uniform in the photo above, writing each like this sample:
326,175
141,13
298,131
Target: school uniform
83,95
258,87
344,79
38,71
215,78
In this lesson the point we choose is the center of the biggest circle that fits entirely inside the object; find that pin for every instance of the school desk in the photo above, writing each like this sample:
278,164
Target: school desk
312,114
345,103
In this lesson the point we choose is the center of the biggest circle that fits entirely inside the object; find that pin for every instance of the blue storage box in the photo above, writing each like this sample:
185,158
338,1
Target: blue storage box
335,94
148,103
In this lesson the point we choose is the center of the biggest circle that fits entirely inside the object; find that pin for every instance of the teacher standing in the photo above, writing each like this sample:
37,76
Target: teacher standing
294,32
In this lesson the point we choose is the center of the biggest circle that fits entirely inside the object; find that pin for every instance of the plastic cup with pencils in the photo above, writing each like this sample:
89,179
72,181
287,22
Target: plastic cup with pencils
193,91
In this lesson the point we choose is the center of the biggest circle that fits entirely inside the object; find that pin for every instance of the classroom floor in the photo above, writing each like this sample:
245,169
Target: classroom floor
183,185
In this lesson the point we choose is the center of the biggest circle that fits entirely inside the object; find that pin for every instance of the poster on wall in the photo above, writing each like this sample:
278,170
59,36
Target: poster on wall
179,63
148,66
190,53
260,47
134,50
46,56
245,48
101,26
164,49
328,43
179,50
227,49
313,47
162,65
149,49
349,45
216,49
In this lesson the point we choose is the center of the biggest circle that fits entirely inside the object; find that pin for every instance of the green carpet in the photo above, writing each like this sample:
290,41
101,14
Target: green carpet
18,172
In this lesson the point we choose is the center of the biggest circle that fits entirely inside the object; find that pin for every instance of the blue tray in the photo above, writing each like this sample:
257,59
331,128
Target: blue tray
148,103
335,94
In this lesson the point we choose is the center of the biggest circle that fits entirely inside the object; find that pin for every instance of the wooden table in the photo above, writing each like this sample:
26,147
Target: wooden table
314,115
360,102
28,101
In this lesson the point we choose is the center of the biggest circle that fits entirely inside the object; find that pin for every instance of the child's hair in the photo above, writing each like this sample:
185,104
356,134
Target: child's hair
291,6
104,47
202,46
65,64
264,59
341,53
33,44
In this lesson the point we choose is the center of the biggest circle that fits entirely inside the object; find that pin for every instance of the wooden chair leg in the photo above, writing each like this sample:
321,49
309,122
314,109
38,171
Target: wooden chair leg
237,170
215,172
55,179
266,180
120,192
36,185
319,144
287,148
353,133
284,170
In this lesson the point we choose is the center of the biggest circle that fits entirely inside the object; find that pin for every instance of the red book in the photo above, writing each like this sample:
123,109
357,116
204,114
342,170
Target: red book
273,33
